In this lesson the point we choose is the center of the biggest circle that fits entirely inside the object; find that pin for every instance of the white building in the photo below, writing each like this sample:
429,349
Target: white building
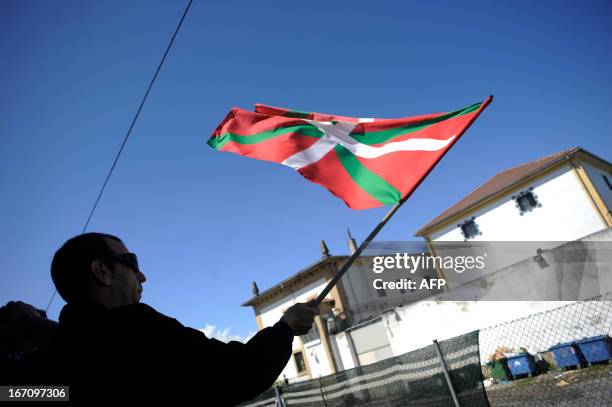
313,354
562,197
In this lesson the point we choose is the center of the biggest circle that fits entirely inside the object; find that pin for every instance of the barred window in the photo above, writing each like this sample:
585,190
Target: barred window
300,364
469,229
526,201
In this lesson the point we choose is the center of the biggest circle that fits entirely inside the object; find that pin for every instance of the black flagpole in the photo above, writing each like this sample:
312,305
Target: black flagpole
361,248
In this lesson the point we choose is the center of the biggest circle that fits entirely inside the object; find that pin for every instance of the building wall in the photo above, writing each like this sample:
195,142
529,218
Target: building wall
371,342
417,325
271,313
317,359
566,214
343,346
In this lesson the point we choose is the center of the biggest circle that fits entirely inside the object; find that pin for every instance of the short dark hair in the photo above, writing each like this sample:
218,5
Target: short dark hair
72,261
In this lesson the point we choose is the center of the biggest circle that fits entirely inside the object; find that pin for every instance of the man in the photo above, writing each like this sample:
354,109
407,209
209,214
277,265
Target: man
110,346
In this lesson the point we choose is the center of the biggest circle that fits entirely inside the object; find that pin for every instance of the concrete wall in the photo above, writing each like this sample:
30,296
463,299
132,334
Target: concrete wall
416,326
371,343
362,345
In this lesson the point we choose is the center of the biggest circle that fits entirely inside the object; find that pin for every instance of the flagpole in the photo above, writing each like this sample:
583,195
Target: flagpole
349,262
360,249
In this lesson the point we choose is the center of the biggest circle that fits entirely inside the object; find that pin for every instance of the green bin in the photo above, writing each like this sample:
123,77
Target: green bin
499,369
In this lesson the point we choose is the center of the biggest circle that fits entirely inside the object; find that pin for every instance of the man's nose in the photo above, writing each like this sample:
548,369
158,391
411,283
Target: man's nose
141,276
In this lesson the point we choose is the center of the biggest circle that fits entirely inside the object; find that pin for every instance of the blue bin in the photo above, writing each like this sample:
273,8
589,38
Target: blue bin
567,355
521,364
596,348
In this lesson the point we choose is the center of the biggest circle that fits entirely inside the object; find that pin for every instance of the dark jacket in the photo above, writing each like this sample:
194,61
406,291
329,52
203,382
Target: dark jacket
134,352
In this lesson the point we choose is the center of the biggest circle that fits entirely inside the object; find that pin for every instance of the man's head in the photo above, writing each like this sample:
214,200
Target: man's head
97,267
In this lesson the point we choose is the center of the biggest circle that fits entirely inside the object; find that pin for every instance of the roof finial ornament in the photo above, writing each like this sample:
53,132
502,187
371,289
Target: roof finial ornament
255,289
324,249
352,244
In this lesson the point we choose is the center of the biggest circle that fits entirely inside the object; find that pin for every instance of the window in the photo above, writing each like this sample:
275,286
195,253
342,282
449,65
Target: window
607,181
469,229
526,201
300,364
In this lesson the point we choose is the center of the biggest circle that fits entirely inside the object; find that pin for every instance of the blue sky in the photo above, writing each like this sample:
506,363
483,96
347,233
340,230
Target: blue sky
206,224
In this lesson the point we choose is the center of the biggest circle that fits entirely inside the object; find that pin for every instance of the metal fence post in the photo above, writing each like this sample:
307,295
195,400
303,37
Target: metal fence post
279,399
446,375
321,391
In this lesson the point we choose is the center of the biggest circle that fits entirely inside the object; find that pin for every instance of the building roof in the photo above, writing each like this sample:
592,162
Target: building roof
500,182
293,278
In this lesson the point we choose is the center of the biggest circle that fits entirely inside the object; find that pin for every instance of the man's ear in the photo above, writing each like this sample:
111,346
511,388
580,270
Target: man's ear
101,273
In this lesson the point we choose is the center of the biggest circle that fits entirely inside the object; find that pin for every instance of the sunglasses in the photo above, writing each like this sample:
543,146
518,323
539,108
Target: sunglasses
127,259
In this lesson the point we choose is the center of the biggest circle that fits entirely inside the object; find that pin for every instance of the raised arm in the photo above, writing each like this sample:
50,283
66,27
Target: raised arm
253,367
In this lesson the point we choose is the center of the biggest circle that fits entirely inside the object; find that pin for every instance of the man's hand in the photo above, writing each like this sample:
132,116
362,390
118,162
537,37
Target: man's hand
300,317
19,313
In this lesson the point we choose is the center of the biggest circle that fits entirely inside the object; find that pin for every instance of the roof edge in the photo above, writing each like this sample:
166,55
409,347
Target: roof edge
290,279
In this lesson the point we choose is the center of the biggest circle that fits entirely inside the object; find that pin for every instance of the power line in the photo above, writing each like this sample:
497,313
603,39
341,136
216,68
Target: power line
127,135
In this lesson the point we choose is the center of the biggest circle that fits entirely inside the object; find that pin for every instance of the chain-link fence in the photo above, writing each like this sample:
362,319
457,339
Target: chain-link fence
555,358
415,378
